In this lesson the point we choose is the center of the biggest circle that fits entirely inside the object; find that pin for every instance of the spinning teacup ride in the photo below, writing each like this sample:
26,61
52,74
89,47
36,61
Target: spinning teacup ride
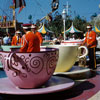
31,73
26,69
68,55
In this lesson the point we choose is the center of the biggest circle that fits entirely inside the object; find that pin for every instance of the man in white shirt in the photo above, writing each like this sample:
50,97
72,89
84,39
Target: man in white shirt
7,39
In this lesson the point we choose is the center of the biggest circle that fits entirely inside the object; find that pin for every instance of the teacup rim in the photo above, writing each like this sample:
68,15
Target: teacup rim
52,50
64,45
69,45
73,40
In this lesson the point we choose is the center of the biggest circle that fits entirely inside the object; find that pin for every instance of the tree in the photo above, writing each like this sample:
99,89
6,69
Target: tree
96,21
56,25
80,23
93,16
30,19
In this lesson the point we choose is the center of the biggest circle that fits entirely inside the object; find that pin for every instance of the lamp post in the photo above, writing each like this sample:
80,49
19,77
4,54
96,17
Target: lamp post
64,17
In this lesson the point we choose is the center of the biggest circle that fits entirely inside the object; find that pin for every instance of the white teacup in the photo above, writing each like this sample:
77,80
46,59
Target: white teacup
68,55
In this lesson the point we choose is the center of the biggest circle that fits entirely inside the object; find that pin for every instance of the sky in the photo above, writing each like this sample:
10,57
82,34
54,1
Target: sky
40,8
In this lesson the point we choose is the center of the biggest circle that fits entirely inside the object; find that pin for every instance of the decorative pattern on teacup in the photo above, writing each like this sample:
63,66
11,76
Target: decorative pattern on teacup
20,64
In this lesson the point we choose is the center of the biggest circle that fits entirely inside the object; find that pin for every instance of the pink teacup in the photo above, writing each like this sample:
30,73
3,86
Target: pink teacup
30,70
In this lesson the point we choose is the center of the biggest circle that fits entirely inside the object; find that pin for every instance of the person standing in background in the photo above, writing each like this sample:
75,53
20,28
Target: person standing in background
16,40
7,39
47,36
34,30
60,37
90,42
30,41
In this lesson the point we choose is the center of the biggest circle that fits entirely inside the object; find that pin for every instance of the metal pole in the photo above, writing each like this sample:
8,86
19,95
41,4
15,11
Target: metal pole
64,19
67,8
64,28
14,18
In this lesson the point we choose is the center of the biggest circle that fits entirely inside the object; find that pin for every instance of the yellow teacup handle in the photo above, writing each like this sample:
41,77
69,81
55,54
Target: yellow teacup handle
86,51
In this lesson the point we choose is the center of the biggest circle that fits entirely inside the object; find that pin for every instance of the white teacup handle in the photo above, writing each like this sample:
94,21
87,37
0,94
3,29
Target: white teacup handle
86,51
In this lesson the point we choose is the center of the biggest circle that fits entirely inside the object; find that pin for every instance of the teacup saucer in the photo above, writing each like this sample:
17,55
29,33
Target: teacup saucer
75,72
55,84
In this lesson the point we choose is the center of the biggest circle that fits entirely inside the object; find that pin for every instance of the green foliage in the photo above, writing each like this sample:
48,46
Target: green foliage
96,21
30,19
80,23
93,16
56,25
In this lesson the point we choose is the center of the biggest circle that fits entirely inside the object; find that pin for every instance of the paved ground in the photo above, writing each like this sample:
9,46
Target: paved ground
96,96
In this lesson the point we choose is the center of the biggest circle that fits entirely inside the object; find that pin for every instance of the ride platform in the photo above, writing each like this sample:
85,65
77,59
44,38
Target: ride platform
82,89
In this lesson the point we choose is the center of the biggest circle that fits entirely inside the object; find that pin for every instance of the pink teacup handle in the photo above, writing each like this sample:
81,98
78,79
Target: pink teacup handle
10,65
86,51
16,59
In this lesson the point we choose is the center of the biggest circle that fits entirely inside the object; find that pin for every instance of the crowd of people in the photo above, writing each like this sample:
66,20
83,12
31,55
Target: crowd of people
30,41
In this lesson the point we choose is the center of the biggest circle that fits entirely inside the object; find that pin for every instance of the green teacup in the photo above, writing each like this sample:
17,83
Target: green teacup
7,47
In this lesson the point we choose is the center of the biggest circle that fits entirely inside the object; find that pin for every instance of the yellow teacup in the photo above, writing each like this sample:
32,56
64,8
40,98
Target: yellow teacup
68,55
